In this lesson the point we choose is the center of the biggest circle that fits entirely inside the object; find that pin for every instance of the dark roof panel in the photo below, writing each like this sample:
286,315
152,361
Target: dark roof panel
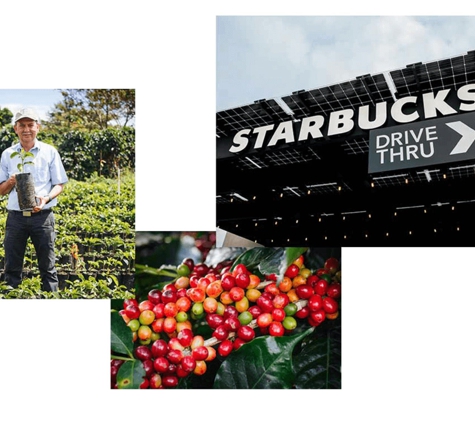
319,192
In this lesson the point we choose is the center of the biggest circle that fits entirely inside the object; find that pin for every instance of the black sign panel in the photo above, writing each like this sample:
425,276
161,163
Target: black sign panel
428,142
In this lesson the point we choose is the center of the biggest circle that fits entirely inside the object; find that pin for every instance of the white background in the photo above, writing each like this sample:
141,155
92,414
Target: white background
408,313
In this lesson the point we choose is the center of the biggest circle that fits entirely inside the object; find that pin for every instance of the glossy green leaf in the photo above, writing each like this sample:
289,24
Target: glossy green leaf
268,261
164,270
318,363
218,255
265,362
121,336
280,261
130,375
253,257
291,254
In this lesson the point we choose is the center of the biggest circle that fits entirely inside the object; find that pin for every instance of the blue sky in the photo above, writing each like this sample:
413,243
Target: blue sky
271,56
42,100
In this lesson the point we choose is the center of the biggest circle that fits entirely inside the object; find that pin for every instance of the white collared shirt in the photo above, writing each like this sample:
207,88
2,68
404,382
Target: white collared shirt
47,170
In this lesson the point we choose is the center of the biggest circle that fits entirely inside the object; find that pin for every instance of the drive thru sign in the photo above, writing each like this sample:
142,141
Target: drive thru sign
423,143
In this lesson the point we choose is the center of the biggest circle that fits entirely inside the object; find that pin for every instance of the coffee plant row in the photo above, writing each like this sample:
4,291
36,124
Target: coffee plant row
266,319
95,242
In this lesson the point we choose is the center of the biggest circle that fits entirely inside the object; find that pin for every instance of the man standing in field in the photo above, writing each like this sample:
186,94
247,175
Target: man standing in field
38,224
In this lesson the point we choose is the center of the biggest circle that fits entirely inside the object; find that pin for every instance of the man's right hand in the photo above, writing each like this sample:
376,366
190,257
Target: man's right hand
7,185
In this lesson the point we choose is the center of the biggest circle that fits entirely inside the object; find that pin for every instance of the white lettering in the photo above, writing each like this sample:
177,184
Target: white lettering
431,134
378,145
431,152
403,138
408,152
381,152
284,131
398,115
311,126
381,115
465,93
404,153
240,140
340,122
396,137
411,150
417,138
399,154
432,104
404,110
261,134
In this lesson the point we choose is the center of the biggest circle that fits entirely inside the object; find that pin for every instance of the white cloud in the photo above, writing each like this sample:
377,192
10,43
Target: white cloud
265,57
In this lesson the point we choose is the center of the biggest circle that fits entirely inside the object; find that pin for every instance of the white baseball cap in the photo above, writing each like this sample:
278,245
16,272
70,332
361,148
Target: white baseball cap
29,113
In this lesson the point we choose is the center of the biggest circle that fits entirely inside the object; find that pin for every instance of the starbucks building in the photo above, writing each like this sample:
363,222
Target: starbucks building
383,159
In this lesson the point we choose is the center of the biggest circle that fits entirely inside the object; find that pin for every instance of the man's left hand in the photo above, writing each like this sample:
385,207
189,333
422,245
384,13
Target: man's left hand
42,202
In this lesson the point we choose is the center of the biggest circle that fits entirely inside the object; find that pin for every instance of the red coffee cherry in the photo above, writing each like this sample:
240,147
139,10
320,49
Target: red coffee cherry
225,348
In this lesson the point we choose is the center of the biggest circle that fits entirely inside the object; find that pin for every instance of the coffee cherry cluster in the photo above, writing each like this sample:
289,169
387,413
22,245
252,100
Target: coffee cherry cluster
319,293
237,305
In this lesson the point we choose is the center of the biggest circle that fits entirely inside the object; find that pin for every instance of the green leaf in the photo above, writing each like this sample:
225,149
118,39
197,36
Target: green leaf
218,255
280,261
114,279
148,278
166,270
265,362
121,336
130,375
268,261
293,253
318,363
14,154
117,304
253,257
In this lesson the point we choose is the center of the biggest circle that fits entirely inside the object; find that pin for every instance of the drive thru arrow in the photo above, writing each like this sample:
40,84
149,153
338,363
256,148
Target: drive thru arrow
467,139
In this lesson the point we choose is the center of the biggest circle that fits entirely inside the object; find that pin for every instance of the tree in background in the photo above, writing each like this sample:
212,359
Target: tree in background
91,128
6,116
104,152
89,109
7,137
65,117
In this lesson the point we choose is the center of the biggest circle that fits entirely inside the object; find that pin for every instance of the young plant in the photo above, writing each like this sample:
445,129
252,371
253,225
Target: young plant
24,155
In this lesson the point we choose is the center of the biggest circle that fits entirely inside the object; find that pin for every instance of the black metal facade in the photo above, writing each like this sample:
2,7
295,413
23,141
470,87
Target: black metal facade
320,193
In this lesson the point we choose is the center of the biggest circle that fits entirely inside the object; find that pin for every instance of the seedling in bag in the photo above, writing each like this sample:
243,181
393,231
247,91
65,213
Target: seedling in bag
24,155
24,181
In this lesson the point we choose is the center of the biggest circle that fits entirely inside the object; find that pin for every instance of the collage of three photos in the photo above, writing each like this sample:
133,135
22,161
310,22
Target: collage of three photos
379,160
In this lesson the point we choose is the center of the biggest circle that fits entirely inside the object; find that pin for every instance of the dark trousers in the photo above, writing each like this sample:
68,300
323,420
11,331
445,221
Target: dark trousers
39,227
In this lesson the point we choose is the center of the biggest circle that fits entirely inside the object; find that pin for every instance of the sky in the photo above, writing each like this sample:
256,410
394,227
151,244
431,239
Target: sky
42,100
262,57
